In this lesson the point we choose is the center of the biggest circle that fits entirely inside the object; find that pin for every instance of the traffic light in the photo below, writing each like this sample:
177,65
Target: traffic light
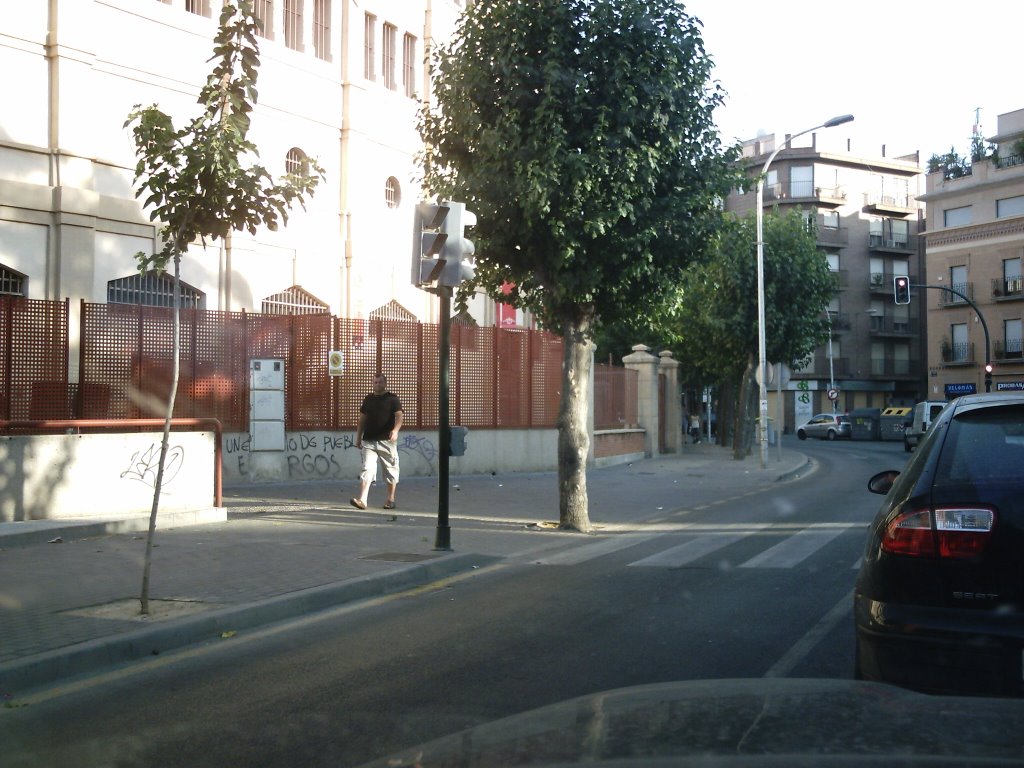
457,252
428,239
901,288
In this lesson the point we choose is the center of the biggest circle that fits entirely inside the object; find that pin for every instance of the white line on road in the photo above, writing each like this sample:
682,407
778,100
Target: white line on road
815,635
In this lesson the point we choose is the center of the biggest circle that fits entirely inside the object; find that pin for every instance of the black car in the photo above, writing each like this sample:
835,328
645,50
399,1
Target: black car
939,602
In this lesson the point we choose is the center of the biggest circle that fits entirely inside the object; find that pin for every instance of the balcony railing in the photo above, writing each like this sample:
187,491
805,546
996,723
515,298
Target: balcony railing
889,366
804,190
1004,288
899,204
947,299
1009,349
833,236
957,354
889,325
1010,161
900,244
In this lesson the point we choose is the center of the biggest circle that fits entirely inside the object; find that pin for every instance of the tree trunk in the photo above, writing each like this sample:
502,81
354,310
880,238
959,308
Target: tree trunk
573,435
744,413
165,443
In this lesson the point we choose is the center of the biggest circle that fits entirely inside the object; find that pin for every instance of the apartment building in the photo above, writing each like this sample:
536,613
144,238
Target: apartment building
869,224
340,81
974,248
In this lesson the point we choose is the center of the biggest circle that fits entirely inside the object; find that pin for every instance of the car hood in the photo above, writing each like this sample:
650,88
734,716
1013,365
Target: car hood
763,722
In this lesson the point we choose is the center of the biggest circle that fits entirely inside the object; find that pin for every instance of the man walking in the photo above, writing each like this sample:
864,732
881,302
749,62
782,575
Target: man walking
380,419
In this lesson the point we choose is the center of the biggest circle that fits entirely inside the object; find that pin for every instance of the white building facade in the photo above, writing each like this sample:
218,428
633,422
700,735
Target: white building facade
340,81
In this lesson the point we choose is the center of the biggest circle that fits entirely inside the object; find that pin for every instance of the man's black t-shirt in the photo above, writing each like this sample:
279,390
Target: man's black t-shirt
379,411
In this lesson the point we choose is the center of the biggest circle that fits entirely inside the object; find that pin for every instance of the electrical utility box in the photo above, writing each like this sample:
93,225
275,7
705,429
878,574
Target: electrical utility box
266,405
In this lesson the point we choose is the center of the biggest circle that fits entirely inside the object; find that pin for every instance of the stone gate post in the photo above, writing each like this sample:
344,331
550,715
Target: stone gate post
669,368
646,365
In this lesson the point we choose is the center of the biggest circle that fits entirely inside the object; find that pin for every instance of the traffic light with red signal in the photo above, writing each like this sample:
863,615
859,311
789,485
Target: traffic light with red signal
901,289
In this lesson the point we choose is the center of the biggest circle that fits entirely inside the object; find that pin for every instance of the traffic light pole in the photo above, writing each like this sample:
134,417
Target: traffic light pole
984,327
443,535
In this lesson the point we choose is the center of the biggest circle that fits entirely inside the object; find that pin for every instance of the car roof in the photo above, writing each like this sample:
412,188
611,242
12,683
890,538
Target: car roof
986,400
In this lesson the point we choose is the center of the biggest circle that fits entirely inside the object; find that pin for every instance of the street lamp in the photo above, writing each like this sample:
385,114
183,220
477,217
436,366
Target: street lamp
761,354
831,370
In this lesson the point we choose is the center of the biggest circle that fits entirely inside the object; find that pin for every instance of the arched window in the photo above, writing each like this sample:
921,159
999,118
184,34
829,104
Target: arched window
296,162
151,289
294,301
392,192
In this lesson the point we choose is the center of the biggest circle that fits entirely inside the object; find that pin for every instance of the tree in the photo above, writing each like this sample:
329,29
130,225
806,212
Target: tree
202,181
716,307
581,133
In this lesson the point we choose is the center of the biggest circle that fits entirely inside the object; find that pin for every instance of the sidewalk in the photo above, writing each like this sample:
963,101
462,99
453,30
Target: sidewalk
69,594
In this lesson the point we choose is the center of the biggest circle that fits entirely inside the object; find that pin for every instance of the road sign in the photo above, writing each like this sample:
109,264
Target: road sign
833,395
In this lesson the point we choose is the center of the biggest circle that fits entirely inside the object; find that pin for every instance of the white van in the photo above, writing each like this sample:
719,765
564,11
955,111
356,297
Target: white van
924,413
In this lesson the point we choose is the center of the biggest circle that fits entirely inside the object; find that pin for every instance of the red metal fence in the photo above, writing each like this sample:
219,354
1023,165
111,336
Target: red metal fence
33,359
615,397
499,378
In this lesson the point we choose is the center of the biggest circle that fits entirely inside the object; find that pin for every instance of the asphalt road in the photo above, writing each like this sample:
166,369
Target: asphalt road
752,588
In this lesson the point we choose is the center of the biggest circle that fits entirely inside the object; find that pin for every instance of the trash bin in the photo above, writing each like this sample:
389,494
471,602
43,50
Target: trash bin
865,423
894,421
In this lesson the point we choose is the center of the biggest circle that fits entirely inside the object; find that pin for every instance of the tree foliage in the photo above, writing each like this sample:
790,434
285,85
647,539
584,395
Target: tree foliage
715,313
581,133
202,181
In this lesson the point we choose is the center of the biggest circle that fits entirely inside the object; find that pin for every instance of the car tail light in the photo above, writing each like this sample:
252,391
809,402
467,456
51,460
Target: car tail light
950,532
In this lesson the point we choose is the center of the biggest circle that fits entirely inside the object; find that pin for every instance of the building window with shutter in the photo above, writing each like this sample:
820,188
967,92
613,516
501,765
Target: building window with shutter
389,60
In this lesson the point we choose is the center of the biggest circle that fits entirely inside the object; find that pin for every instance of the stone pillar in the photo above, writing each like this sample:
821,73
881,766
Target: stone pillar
669,368
646,366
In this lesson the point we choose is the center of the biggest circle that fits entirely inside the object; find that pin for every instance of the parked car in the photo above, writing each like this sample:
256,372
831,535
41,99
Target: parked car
922,416
826,426
939,601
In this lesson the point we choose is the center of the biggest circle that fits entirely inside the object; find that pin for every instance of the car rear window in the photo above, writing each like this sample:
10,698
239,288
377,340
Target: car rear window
985,445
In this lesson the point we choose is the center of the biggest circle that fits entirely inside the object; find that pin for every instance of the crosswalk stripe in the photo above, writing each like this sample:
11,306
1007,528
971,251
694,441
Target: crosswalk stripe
795,548
695,549
579,554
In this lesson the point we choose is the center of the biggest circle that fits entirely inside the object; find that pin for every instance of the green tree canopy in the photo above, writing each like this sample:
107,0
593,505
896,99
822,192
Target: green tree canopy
581,134
715,314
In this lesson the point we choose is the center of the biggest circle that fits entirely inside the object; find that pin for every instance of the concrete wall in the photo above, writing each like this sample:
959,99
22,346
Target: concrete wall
327,455
103,475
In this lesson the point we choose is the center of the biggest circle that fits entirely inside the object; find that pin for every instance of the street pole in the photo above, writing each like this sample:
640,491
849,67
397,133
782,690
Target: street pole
761,343
831,371
443,534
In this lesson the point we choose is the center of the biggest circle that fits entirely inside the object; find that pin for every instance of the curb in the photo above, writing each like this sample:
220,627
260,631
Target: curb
94,655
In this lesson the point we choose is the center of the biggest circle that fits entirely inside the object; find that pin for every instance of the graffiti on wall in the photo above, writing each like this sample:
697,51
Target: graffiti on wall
143,465
318,455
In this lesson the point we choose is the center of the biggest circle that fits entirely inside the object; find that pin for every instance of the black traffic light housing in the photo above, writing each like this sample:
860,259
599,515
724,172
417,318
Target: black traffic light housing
901,289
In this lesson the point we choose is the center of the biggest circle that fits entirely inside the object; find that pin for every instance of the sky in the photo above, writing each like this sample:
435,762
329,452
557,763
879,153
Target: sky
911,72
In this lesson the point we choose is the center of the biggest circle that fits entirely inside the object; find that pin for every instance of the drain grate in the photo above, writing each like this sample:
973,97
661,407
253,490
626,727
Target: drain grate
399,557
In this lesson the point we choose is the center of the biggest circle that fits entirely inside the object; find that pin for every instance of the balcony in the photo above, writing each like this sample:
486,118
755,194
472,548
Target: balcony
893,326
889,205
1009,349
947,299
833,237
804,193
881,282
1007,288
907,244
890,366
955,355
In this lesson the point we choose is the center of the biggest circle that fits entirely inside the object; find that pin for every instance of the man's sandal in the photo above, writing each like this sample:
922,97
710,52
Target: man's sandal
389,505
357,503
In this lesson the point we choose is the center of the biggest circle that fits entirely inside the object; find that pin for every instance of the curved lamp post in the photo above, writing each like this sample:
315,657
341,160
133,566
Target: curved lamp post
761,354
